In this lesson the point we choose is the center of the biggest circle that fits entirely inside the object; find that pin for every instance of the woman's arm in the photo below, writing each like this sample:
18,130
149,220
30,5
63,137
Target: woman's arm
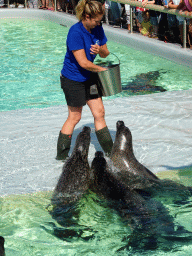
82,60
103,52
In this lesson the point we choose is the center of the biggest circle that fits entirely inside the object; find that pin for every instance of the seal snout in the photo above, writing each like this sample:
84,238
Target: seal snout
83,140
120,124
122,129
86,129
99,154
85,133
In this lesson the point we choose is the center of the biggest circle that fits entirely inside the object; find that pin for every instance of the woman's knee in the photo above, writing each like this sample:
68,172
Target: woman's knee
74,118
97,108
99,113
74,115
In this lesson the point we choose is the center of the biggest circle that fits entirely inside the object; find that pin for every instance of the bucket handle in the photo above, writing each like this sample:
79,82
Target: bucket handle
115,56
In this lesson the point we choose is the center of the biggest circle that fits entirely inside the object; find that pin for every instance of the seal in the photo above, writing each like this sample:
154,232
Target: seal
109,184
112,186
145,82
149,220
2,249
132,171
75,177
73,182
72,185
132,207
137,176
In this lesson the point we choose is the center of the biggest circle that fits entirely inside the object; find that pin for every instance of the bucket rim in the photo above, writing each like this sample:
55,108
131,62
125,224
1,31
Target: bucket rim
109,67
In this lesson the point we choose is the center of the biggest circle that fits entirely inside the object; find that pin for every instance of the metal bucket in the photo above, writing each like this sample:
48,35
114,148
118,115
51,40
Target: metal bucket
110,80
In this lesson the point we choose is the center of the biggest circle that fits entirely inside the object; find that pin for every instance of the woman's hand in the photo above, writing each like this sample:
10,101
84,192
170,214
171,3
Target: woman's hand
95,48
101,50
104,69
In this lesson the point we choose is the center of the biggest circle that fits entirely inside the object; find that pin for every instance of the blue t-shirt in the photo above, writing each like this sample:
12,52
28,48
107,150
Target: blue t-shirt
79,38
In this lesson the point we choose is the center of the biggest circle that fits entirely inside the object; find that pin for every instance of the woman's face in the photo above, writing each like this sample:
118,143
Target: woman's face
93,22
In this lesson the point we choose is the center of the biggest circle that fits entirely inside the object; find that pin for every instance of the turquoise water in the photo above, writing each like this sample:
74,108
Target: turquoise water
29,229
32,53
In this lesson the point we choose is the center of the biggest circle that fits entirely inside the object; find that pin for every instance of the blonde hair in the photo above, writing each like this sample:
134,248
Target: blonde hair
88,7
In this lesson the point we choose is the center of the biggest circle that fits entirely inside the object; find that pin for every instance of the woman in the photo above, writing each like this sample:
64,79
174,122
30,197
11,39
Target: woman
85,40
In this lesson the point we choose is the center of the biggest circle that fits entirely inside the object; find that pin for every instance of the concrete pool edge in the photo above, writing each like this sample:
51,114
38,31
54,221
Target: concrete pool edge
168,51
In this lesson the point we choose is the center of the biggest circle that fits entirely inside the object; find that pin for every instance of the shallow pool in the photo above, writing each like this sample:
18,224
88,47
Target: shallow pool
30,79
32,53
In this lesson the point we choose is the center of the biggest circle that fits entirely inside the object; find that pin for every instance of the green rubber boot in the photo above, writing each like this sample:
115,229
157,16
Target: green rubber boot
105,140
63,146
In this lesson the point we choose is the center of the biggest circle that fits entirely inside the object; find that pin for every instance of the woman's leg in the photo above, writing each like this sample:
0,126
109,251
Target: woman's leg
64,139
74,116
98,112
97,108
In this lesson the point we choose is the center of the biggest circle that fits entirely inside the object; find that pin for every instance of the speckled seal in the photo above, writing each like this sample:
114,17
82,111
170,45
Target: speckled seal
75,177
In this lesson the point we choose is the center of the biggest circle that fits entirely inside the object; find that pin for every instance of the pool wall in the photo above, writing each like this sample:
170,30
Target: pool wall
169,51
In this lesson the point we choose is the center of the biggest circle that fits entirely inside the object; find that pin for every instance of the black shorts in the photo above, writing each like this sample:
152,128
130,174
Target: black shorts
78,93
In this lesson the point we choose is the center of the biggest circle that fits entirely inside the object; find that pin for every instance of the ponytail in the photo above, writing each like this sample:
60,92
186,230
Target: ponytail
88,7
